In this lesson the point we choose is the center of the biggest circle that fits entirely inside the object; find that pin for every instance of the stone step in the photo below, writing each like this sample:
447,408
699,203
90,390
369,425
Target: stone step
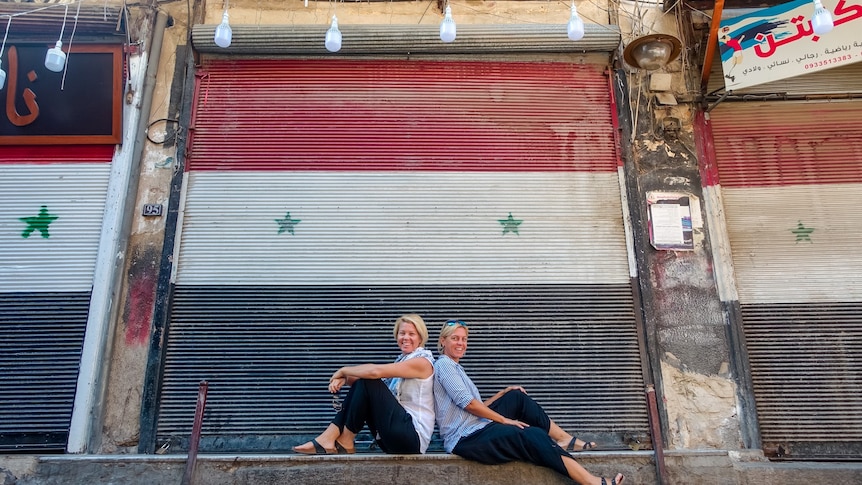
706,467
359,469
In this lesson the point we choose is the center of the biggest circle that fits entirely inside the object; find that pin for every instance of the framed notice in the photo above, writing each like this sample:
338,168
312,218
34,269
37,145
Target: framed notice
670,224
81,105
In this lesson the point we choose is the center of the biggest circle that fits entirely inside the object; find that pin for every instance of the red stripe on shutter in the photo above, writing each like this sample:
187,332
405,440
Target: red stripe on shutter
56,153
785,143
402,115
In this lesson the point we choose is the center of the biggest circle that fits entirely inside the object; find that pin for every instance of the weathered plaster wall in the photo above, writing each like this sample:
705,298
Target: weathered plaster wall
122,405
685,326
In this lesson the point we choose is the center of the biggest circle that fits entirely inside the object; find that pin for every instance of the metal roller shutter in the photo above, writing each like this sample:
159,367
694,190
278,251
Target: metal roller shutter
325,198
52,201
791,180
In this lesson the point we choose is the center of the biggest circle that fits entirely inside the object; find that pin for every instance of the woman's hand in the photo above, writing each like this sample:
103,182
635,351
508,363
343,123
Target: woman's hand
514,388
336,383
515,422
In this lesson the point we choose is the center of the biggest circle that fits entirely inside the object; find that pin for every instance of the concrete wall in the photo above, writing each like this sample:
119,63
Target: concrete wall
686,333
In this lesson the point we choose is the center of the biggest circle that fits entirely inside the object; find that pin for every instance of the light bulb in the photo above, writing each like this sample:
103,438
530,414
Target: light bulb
333,37
55,59
2,78
447,27
822,19
576,25
223,33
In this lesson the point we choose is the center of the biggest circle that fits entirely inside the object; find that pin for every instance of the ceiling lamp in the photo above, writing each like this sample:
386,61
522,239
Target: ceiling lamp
332,41
223,33
55,58
652,52
821,22
575,27
447,27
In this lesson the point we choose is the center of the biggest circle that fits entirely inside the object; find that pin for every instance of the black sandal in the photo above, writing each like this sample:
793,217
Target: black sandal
588,445
318,449
614,480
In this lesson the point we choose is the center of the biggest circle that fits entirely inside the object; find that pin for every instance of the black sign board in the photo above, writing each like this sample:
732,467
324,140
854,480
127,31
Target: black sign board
82,105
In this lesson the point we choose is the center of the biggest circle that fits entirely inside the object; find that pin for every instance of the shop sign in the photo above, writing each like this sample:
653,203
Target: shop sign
80,105
779,42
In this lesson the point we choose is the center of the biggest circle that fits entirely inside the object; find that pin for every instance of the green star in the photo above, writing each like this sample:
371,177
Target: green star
510,224
39,223
287,224
802,233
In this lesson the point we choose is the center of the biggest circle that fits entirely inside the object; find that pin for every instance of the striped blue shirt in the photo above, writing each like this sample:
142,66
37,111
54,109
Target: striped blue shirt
453,391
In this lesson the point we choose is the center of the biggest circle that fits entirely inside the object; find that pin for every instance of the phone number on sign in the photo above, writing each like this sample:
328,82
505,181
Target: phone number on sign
826,62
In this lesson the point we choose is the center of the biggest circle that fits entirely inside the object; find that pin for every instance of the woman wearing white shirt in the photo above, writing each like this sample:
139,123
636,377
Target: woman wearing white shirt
395,400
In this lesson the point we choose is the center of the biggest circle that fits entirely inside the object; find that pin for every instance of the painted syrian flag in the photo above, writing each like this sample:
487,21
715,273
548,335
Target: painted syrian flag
326,198
51,212
791,182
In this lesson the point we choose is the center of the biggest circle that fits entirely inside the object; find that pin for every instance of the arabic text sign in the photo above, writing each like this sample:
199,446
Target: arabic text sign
779,42
80,105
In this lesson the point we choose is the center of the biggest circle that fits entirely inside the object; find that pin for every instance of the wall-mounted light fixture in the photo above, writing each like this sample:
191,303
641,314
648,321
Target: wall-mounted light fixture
652,52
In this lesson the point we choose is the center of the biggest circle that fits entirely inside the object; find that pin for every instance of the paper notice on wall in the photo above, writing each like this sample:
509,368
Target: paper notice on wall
670,224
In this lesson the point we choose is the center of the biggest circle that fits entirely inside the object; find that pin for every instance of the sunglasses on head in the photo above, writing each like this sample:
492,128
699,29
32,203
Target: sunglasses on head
452,323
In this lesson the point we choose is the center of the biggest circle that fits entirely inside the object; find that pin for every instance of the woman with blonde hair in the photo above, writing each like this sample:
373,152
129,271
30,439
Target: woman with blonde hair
510,426
395,400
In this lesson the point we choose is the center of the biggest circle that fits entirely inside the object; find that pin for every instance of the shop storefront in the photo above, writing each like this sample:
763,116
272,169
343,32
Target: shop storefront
324,198
788,166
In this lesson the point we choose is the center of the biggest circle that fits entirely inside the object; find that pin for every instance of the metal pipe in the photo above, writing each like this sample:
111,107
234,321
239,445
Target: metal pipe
655,431
711,44
195,439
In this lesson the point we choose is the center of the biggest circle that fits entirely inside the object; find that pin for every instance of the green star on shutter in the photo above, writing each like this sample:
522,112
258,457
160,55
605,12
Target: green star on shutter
802,233
510,224
287,224
38,223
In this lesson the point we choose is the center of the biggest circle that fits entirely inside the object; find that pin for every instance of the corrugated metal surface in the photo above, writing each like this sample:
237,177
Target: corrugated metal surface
63,259
37,21
425,151
788,143
805,365
402,115
355,226
791,180
41,335
836,82
46,276
268,352
407,39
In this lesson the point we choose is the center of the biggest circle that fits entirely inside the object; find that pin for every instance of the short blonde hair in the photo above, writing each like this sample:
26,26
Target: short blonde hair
448,329
417,322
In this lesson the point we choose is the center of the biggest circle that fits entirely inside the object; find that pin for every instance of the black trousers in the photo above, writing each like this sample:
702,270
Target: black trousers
370,402
502,443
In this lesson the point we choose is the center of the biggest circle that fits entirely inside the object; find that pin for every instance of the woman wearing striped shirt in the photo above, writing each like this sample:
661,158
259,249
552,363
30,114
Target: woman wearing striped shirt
395,400
510,426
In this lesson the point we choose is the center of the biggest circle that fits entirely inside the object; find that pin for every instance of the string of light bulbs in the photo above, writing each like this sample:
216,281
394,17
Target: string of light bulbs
448,29
55,58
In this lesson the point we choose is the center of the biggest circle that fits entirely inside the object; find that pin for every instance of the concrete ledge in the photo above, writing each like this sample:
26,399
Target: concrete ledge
701,467
361,469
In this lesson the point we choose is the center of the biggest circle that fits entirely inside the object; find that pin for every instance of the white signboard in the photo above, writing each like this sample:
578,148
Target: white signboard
779,42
